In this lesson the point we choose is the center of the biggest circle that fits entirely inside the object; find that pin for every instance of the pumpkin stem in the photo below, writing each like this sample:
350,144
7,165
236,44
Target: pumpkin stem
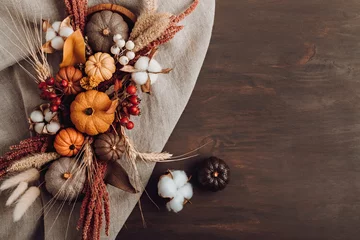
72,147
89,111
67,175
215,174
106,32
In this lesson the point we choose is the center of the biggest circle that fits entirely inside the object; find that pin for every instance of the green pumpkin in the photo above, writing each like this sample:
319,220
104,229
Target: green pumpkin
101,29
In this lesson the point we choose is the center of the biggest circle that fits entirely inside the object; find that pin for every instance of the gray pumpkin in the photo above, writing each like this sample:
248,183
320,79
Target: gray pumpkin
64,180
101,29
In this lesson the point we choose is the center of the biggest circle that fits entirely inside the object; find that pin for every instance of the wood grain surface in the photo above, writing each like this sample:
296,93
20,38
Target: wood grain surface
279,94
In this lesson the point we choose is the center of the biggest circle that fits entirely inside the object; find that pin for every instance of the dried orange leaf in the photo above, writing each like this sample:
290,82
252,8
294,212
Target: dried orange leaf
146,88
66,22
129,69
166,70
45,25
47,48
118,85
74,50
113,107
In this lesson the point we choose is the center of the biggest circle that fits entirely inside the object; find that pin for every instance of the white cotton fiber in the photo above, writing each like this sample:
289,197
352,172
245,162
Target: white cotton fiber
176,204
142,63
180,178
186,191
167,187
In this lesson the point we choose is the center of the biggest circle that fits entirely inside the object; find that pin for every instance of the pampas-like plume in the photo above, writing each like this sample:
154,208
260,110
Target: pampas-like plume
28,176
148,28
34,161
25,202
21,188
150,5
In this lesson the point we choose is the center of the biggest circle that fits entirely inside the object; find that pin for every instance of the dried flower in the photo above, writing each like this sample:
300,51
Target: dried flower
91,82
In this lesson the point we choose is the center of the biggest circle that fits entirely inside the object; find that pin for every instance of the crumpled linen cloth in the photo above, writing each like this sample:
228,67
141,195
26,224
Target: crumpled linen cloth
160,111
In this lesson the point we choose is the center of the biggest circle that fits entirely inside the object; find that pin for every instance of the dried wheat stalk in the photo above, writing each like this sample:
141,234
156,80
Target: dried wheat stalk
155,157
34,161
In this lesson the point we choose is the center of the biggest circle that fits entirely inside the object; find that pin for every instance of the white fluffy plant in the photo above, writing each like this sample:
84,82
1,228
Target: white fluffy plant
56,34
175,186
145,71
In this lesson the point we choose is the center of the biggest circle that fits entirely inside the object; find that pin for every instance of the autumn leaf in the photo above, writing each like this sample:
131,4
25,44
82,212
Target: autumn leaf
113,107
74,50
117,176
47,48
146,88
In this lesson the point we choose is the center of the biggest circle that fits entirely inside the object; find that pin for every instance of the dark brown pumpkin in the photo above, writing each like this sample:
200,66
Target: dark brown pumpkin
109,147
102,27
214,174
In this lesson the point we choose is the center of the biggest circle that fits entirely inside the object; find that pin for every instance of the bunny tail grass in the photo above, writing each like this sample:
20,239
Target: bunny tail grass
25,202
28,176
21,188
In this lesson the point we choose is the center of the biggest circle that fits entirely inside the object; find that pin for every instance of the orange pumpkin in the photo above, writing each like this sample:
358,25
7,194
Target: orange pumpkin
92,112
68,142
72,76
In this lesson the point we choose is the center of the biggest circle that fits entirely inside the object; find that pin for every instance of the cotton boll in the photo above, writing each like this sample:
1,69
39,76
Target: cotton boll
49,115
50,34
180,178
153,77
56,26
186,191
176,204
139,78
120,43
39,127
166,187
154,66
142,63
37,116
53,127
66,31
57,43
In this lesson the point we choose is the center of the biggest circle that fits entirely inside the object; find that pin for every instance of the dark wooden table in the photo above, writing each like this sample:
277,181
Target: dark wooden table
279,94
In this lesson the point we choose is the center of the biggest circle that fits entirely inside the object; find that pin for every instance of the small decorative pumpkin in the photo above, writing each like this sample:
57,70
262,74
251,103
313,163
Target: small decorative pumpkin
101,65
64,180
68,142
68,78
109,147
214,175
92,112
102,27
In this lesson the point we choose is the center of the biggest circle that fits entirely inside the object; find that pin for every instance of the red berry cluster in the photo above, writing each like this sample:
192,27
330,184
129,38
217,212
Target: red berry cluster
130,106
48,93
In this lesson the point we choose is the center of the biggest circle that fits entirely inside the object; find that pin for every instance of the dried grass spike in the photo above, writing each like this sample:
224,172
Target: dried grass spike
35,161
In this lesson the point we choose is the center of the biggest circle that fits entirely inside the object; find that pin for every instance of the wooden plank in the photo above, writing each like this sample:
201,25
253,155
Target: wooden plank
279,94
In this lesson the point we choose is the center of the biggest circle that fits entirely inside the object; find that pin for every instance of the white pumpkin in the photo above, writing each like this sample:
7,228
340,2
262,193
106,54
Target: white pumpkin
64,180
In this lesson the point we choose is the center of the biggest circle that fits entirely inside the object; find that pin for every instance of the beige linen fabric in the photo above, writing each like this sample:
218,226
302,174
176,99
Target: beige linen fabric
160,111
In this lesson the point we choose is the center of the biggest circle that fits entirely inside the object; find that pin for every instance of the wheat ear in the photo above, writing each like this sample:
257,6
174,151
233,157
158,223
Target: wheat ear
34,161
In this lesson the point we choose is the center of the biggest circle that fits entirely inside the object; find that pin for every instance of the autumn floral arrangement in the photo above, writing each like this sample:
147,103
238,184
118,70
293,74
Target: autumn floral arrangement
79,132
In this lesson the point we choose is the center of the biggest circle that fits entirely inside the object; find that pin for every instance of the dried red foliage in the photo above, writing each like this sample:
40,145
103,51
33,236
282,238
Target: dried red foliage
77,8
37,144
95,205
